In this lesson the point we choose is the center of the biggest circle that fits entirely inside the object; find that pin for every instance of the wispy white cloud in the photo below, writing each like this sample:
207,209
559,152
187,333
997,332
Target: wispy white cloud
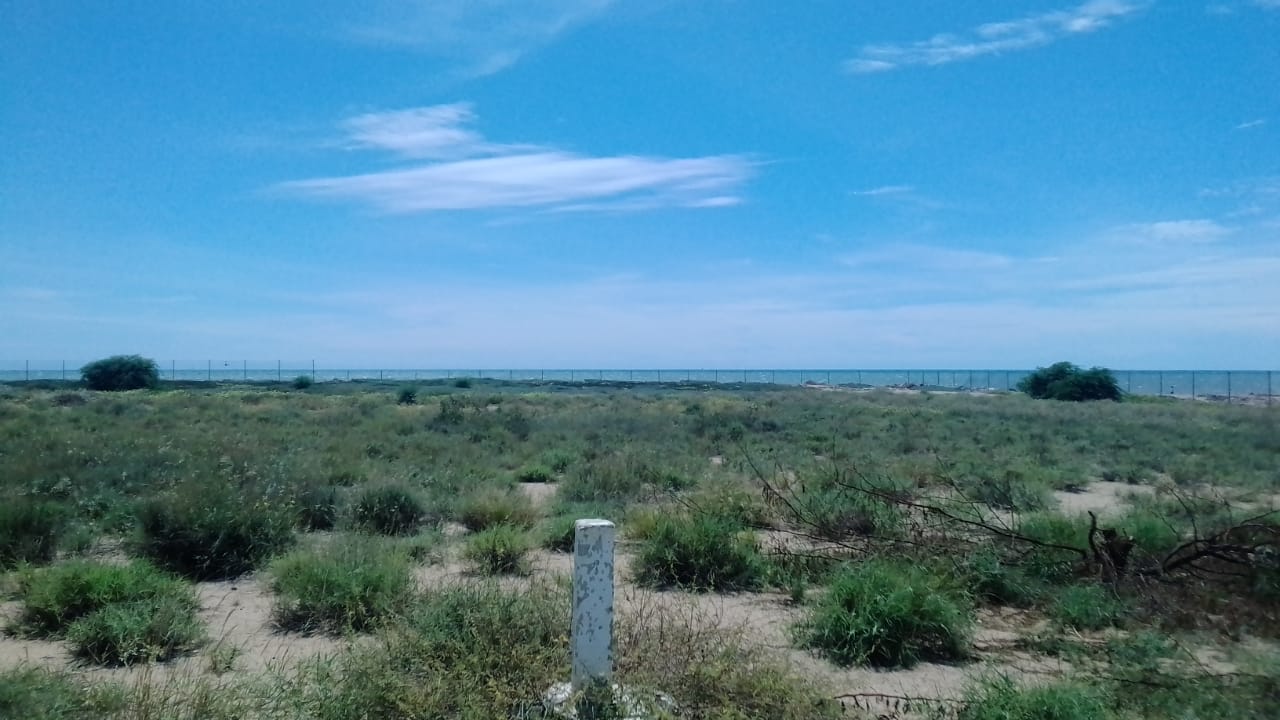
1252,123
884,190
473,173
1172,232
995,37
483,37
1267,4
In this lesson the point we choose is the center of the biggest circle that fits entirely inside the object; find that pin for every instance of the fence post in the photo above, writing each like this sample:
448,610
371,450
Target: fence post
1228,387
173,370
246,369
64,372
1193,384
592,631
26,367
1269,394
209,371
1160,383
278,377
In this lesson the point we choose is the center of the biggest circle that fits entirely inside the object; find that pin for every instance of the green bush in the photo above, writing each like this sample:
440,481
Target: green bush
838,513
1086,607
496,506
700,553
992,578
534,474
34,693
498,550
111,614
999,698
143,631
557,534
888,614
29,529
1065,381
1049,564
302,382
388,509
210,531
121,372
351,584
317,507
407,396
467,651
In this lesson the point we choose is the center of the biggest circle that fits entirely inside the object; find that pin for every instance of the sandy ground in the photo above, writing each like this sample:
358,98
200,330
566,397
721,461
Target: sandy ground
237,615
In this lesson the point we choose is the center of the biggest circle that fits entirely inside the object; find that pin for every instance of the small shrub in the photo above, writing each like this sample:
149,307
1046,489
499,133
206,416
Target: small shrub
121,372
29,530
302,382
493,506
462,383
388,509
317,507
994,580
1048,564
407,396
351,584
1086,607
534,474
112,615
33,693
999,698
557,534
838,513
888,614
466,651
133,632
1065,381
700,553
209,531
558,460
498,550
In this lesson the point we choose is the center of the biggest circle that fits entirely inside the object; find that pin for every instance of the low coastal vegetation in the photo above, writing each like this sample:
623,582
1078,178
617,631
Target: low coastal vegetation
885,527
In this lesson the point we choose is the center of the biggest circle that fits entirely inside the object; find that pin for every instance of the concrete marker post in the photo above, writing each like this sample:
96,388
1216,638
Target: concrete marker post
592,629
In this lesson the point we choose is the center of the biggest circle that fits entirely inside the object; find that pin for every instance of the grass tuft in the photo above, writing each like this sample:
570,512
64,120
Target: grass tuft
350,584
700,553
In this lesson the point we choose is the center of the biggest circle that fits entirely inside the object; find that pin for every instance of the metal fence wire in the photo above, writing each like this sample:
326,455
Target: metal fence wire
1225,385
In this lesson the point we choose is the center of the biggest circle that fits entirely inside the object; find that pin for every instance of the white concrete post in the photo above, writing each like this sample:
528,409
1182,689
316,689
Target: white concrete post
592,632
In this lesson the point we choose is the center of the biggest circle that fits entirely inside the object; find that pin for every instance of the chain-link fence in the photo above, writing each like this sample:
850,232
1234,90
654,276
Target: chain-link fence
1225,385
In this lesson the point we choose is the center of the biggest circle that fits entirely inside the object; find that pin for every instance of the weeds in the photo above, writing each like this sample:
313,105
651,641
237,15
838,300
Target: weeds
350,584
111,615
700,553
29,530
888,614
389,510
499,550
208,532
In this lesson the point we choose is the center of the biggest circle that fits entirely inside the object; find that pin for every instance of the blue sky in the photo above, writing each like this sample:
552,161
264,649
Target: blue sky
648,183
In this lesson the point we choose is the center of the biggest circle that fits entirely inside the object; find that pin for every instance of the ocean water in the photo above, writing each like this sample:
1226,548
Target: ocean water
1178,383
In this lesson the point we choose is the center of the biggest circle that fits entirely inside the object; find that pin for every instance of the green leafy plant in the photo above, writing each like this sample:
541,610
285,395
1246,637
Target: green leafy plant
388,509
888,614
111,614
1086,607
496,506
209,531
700,553
29,529
408,395
1065,381
999,698
121,372
534,474
317,507
351,584
302,382
499,550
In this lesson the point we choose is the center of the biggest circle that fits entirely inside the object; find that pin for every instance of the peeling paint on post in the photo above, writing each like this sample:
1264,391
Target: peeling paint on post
592,632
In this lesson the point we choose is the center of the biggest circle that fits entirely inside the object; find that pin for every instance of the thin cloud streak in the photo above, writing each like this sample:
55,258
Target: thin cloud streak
475,174
483,37
994,38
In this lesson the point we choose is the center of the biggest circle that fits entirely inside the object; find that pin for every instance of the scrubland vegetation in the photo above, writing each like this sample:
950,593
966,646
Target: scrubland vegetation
886,527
